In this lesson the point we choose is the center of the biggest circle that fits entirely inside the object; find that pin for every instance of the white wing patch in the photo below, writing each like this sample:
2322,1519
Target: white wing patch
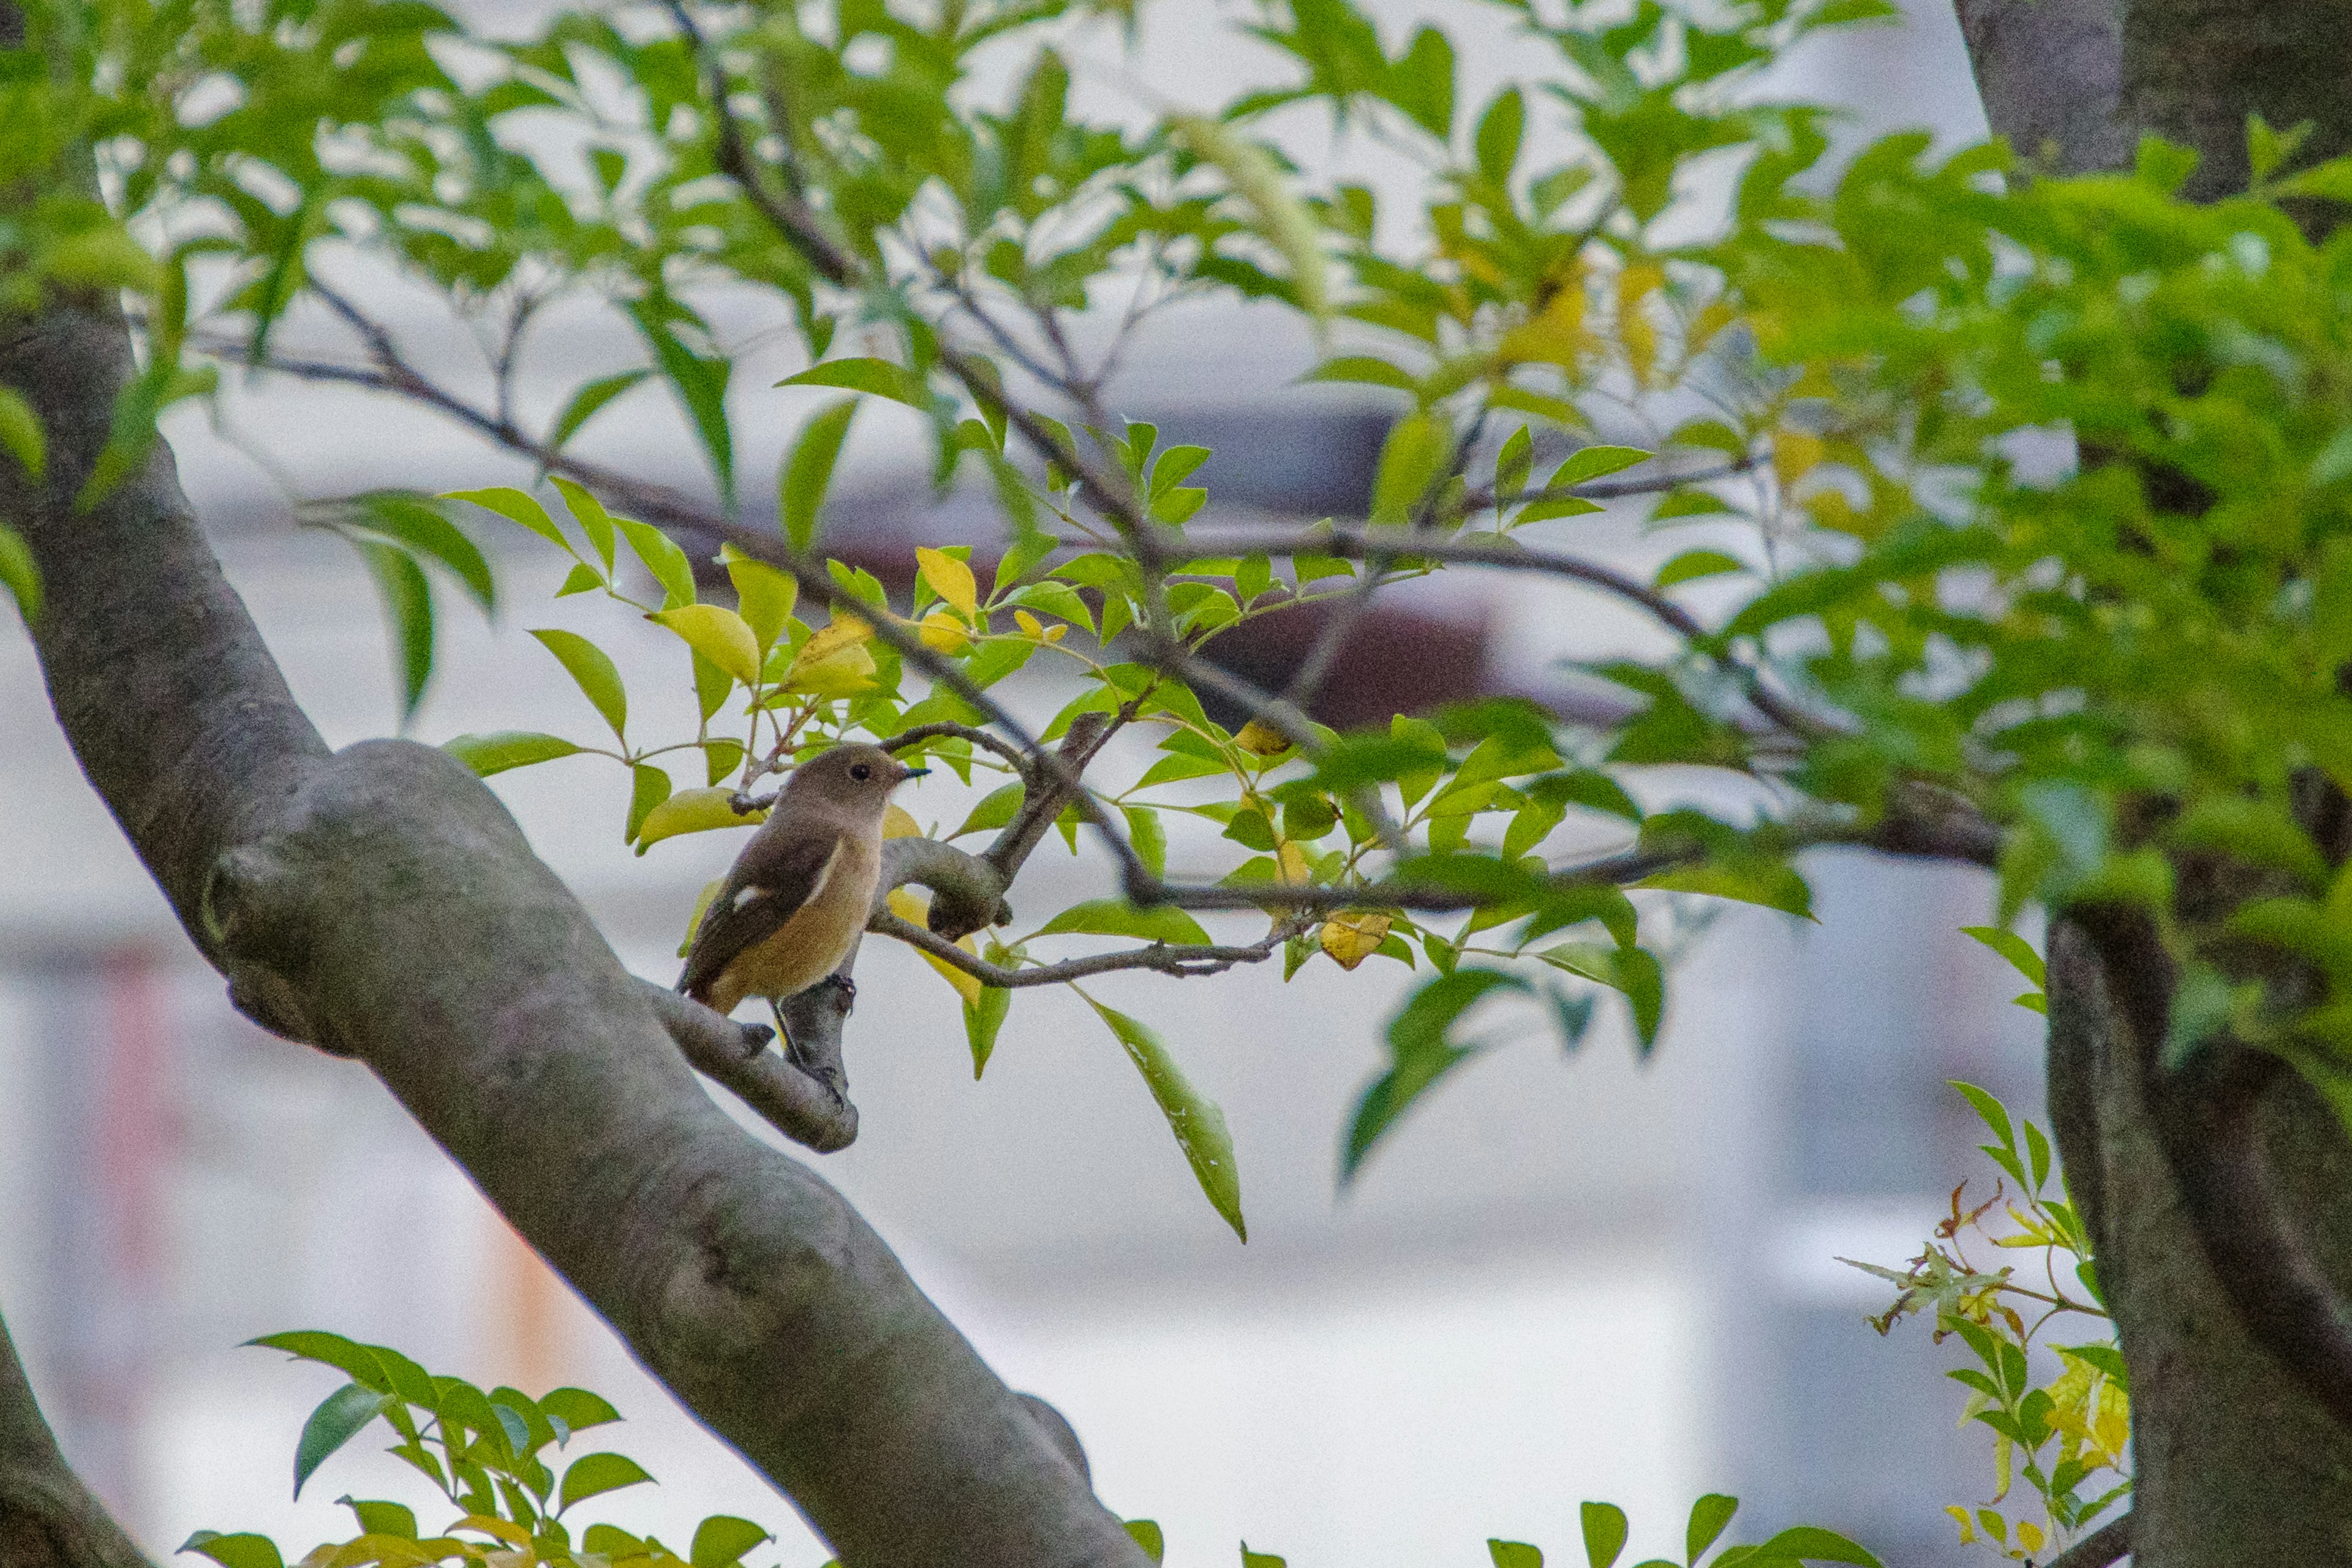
745,895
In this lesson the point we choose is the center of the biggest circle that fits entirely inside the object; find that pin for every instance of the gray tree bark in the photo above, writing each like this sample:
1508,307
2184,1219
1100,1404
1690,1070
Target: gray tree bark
380,903
2231,1340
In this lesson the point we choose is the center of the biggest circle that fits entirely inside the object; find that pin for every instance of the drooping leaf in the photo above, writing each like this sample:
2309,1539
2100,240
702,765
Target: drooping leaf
950,579
408,605
877,376
337,1420
764,597
516,507
590,514
662,558
18,574
808,472
982,1017
693,811
1199,1125
1421,1051
1709,1517
587,402
416,523
21,434
594,671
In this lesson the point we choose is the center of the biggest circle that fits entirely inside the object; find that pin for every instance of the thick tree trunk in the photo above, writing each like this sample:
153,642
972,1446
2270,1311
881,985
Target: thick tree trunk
2237,1462
380,903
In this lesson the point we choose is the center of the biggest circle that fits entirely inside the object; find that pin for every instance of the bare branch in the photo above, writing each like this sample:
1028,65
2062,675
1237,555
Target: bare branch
802,1107
2110,1543
1160,957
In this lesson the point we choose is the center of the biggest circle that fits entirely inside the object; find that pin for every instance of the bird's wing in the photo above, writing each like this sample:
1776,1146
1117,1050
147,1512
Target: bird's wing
767,886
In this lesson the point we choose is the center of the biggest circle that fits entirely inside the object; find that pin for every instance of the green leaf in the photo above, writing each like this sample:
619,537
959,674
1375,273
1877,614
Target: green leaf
2013,947
408,605
336,1421
361,1364
18,574
383,1517
1633,971
590,514
1199,1125
594,671
1692,564
700,384
1260,1559
516,507
577,1408
1149,836
1422,83
21,433
588,402
808,473
720,636
1810,1543
1364,370
1604,1532
1709,1519
500,750
720,1540
1773,884
594,1474
1513,1554
418,523
1500,130
1116,917
662,558
1418,448
1588,463
983,1016
879,377
649,787
1421,1051
242,1551
1146,1534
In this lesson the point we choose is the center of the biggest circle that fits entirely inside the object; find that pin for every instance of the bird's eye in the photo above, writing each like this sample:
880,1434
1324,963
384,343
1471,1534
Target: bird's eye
861,773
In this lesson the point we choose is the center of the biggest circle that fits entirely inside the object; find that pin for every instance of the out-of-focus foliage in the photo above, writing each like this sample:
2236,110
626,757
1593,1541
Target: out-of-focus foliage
489,1456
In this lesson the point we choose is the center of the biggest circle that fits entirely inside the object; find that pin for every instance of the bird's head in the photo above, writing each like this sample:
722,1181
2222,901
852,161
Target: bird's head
857,777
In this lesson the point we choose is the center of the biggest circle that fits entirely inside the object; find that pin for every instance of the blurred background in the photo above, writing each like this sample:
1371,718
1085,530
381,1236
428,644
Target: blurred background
1564,1277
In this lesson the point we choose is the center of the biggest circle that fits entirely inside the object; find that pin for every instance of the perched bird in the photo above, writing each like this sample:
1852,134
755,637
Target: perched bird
797,897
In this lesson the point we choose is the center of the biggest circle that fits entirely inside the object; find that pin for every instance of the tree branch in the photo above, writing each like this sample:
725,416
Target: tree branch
381,903
48,1518
2104,1545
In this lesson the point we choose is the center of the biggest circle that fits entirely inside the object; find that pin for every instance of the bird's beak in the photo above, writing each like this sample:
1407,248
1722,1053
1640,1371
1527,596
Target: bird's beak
906,772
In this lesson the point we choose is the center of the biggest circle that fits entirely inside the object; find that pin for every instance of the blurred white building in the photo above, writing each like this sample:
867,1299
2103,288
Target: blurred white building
1559,1279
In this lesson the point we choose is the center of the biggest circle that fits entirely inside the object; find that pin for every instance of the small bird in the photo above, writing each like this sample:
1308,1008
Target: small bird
796,899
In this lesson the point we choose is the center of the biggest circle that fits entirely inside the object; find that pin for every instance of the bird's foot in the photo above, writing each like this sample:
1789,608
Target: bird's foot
845,991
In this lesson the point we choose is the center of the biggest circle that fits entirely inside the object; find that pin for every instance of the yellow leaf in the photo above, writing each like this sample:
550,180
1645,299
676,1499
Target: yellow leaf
1056,631
2003,1456
694,921
897,822
1635,329
833,636
1262,740
844,672
693,811
763,596
1718,314
1555,335
500,1528
949,578
1292,861
1795,455
1351,939
1967,1525
1030,625
912,907
2029,1535
942,632
720,636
